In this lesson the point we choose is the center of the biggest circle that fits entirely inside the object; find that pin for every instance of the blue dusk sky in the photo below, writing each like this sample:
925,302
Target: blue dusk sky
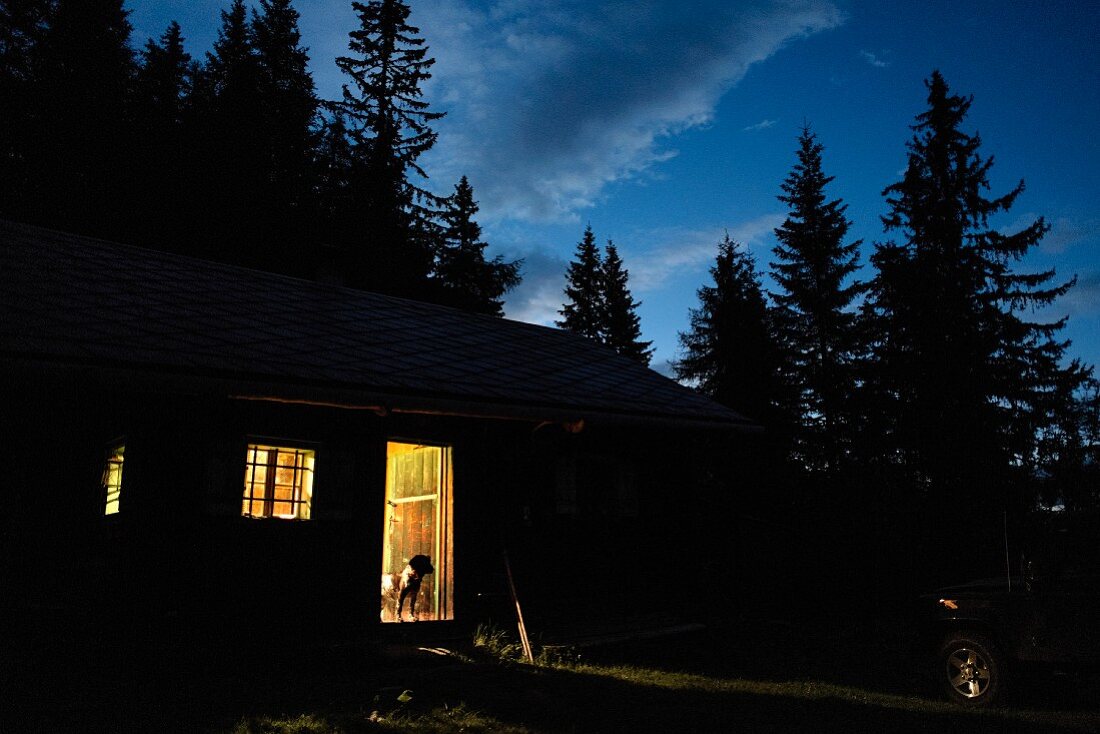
664,124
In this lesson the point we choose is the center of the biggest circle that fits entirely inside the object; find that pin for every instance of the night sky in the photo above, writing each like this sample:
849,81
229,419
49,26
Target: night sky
664,124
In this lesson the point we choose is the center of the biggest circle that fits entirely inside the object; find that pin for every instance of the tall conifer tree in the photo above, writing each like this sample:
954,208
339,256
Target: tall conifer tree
815,324
582,313
233,152
621,327
22,24
163,178
84,72
1069,452
288,112
728,353
467,280
966,381
392,248
333,162
163,82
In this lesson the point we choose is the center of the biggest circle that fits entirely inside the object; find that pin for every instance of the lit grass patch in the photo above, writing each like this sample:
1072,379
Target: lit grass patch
499,645
810,690
447,720
439,720
304,724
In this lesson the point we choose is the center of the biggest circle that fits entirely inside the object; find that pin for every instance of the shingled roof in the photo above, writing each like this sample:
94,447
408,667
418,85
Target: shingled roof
71,300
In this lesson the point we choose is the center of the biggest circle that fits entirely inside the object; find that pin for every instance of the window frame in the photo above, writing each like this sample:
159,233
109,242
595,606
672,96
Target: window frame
443,544
302,495
113,448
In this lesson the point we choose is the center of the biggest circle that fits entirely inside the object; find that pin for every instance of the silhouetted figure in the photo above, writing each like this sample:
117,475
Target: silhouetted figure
409,584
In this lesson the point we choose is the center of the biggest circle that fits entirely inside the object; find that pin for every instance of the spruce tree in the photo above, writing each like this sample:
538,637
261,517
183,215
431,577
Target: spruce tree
232,71
815,324
621,328
1069,452
83,70
964,378
163,176
288,116
333,161
390,128
232,155
583,311
163,82
467,280
728,353
22,24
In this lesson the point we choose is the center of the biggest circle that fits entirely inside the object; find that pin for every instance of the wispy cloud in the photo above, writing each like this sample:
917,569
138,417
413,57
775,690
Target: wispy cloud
762,125
1083,299
874,60
551,101
541,293
1066,233
676,251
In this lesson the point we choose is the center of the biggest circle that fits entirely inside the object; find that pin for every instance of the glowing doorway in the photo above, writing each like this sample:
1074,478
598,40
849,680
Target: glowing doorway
417,523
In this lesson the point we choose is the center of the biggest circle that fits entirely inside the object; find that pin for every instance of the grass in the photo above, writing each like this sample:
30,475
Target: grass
441,720
601,698
749,679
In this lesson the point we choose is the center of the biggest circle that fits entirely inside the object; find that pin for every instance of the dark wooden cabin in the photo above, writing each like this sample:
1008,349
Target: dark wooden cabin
201,446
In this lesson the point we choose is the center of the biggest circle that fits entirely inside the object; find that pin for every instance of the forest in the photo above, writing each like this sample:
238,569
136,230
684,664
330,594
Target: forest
930,401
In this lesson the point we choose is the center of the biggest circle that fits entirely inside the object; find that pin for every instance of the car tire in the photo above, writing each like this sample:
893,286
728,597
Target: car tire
971,669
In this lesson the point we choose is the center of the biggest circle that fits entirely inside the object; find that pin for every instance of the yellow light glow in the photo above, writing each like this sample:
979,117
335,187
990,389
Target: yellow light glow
112,479
278,482
418,521
949,603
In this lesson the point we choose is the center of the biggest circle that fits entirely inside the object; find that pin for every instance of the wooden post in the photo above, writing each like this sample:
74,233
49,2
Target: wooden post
519,612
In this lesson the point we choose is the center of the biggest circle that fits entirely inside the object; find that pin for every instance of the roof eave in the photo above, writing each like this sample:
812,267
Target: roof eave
352,397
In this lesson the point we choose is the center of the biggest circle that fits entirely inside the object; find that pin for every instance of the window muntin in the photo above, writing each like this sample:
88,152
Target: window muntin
112,478
418,520
278,482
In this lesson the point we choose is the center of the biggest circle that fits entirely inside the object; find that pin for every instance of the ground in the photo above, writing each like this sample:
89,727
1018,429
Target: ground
720,677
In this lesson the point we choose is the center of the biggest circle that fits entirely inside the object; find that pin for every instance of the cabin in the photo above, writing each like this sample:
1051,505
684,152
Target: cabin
190,445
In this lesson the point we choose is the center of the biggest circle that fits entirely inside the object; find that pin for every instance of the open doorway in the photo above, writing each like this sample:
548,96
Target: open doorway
417,526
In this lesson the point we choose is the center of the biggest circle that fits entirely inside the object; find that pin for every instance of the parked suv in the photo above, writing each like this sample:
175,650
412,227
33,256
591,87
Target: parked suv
1047,617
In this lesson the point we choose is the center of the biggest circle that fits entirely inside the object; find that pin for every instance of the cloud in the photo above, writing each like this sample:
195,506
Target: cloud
678,251
1066,233
762,125
549,102
541,293
1083,299
874,60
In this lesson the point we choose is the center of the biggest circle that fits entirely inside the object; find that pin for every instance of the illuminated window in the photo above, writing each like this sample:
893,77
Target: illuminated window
417,535
112,478
278,482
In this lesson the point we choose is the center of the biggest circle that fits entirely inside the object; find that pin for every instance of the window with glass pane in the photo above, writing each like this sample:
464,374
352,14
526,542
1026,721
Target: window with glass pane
112,478
278,482
417,524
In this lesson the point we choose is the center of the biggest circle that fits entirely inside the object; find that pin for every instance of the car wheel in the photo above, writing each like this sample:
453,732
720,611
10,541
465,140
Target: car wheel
972,669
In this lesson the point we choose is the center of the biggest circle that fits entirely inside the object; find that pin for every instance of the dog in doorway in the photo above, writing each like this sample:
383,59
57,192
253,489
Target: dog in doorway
406,584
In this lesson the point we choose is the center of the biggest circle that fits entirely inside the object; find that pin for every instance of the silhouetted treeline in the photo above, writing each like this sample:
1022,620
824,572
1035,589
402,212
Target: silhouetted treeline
234,157
913,420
